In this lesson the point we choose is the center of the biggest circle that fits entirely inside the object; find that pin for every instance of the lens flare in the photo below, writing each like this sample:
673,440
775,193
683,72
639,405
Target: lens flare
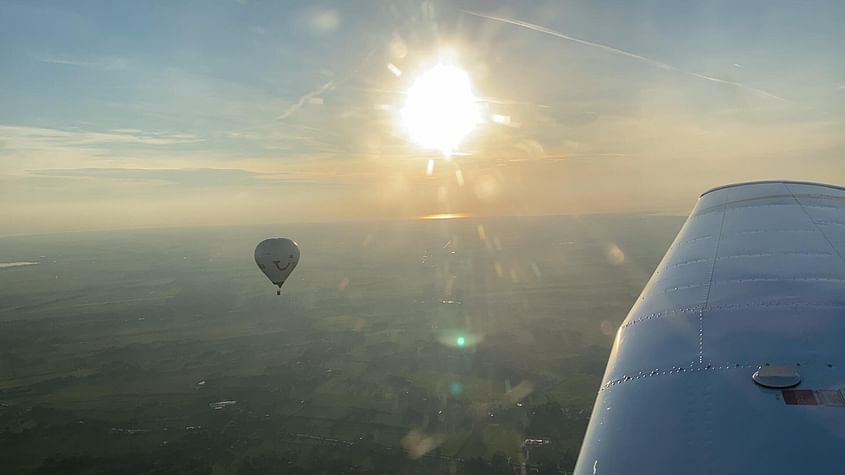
460,339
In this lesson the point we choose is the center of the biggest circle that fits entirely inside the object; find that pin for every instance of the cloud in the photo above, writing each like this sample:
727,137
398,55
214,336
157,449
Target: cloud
21,137
179,176
620,52
107,63
511,102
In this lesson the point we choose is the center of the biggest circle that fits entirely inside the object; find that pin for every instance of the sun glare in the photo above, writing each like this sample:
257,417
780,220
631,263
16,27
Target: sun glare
440,109
445,216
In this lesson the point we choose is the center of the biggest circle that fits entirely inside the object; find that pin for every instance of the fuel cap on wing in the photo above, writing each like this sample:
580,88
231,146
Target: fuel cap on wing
777,377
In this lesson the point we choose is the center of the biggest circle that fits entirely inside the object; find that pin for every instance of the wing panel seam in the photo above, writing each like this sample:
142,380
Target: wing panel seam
814,223
709,287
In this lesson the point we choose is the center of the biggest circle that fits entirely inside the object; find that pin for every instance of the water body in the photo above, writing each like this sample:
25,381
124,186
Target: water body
6,265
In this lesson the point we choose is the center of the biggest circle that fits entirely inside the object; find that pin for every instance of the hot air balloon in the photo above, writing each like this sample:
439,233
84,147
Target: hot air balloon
277,258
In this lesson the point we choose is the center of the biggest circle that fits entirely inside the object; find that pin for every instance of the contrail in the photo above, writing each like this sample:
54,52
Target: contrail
736,84
301,102
325,87
617,51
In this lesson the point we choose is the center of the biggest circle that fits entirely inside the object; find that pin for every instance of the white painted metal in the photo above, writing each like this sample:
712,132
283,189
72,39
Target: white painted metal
755,277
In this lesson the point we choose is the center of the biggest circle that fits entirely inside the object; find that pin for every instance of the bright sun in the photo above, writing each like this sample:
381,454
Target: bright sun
441,109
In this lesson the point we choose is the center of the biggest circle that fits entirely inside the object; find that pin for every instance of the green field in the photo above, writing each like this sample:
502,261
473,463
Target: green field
114,345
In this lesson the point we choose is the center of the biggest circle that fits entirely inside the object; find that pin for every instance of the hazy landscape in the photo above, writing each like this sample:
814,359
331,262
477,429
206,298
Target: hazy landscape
437,346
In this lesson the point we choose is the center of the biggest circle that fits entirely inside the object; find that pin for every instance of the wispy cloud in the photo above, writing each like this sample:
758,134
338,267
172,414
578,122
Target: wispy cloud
296,136
180,176
588,156
511,102
620,52
38,137
109,63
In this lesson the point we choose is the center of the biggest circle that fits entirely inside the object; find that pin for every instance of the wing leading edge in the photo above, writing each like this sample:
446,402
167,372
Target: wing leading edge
755,278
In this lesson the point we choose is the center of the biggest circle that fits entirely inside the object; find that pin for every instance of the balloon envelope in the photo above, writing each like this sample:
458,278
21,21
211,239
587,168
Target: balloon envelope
277,258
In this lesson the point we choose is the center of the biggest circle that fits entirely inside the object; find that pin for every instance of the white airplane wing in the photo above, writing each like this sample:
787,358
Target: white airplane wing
733,358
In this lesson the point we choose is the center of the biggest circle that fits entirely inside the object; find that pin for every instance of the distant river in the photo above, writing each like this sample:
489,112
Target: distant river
4,265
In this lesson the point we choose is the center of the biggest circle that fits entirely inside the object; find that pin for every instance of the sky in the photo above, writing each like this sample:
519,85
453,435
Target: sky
125,114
